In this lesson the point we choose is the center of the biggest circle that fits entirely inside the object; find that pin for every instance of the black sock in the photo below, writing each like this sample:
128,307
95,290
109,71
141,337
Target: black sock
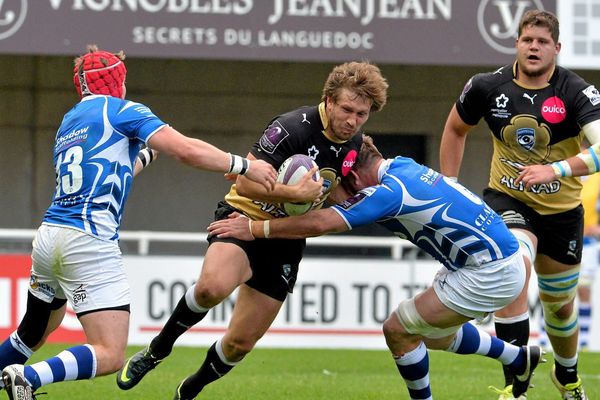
212,369
179,322
565,375
516,333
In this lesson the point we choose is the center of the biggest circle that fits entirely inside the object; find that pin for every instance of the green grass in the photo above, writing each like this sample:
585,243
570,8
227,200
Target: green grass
318,374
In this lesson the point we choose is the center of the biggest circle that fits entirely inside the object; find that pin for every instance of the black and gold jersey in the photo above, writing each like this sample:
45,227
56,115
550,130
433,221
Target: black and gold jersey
532,125
301,131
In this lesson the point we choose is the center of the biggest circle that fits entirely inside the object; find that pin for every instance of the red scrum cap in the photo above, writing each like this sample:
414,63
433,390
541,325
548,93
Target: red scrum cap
99,72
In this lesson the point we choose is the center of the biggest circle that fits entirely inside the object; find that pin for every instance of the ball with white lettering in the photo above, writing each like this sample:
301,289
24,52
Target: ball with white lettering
290,173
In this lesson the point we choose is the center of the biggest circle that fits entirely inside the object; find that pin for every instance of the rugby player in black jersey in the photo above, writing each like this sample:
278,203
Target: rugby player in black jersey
265,270
538,113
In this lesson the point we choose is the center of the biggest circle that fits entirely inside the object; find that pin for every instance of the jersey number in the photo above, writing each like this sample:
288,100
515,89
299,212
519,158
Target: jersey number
70,182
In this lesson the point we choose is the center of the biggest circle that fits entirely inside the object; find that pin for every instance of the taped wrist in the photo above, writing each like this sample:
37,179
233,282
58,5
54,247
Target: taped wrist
561,169
238,165
590,158
146,156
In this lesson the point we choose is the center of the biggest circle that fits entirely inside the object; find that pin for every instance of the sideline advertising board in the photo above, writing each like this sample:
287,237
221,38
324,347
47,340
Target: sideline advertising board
434,32
337,302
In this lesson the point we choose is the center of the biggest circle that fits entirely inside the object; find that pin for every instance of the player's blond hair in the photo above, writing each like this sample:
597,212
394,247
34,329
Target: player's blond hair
362,78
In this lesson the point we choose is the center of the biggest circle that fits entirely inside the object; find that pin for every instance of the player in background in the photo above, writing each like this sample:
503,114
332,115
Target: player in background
536,111
483,269
76,255
265,271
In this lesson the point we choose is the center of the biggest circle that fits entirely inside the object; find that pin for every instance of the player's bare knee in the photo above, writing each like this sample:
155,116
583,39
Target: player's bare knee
209,295
392,327
235,348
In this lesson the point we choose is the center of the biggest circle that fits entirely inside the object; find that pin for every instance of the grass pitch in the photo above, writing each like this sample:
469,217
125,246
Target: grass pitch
299,374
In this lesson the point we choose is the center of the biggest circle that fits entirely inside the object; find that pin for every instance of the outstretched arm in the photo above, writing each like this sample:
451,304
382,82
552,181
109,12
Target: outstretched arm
203,155
313,223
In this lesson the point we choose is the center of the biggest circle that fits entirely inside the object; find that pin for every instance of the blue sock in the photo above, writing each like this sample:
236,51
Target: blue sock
585,322
13,351
414,368
76,363
471,340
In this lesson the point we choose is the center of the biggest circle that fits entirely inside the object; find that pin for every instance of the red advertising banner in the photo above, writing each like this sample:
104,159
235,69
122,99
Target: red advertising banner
14,281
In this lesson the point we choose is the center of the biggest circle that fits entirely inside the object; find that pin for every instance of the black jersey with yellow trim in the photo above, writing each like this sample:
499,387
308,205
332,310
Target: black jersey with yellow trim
532,125
301,131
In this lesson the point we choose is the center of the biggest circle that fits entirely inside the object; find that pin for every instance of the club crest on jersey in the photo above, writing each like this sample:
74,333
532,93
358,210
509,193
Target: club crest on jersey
272,137
592,93
526,138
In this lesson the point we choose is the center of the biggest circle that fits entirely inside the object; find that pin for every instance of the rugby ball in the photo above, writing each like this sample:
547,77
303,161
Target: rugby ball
290,173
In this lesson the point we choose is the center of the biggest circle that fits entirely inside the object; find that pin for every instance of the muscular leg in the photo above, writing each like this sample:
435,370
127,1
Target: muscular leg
106,333
431,323
252,316
559,314
225,267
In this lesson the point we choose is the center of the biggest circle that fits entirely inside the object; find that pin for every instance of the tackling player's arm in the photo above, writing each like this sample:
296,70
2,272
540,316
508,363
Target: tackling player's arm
313,223
203,155
452,146
586,162
304,191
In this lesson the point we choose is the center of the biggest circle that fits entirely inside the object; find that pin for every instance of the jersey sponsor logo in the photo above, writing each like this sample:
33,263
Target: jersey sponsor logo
272,137
554,110
348,162
12,16
526,138
498,21
592,93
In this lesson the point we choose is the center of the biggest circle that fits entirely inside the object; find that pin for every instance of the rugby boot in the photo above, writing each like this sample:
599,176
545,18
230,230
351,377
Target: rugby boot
570,391
178,395
506,393
533,356
15,383
135,368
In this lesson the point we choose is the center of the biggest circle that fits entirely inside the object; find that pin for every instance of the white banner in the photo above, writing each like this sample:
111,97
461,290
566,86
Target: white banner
337,303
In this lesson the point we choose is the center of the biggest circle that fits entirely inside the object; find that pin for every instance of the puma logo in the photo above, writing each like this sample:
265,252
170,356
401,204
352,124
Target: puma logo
529,97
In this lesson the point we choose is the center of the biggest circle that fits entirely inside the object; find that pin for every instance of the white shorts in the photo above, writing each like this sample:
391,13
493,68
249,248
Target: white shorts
477,291
589,261
69,264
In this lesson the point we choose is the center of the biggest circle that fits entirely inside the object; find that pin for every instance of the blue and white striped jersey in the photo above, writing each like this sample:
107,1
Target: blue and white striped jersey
435,213
94,153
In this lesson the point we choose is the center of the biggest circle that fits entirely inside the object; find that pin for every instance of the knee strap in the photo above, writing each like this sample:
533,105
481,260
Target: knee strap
412,321
556,291
35,321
